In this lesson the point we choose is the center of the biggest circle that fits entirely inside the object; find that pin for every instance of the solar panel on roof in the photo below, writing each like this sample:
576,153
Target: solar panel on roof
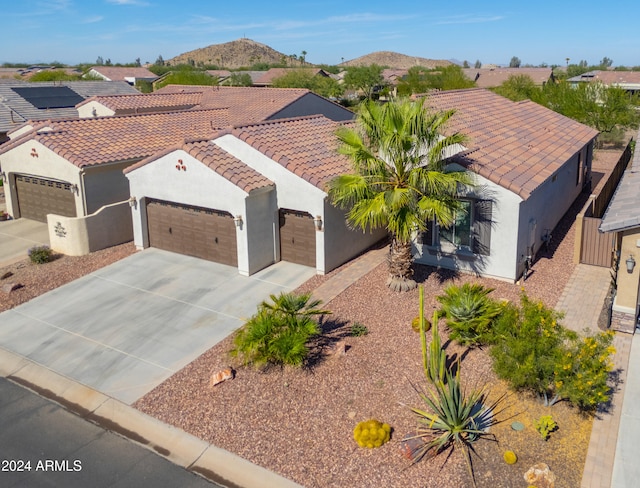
49,96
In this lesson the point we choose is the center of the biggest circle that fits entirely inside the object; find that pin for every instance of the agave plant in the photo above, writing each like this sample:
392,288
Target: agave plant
469,312
279,332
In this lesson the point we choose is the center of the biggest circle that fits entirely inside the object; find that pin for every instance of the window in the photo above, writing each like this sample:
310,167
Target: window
459,234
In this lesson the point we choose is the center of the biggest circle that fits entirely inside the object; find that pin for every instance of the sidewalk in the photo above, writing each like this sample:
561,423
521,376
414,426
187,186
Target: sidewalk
582,301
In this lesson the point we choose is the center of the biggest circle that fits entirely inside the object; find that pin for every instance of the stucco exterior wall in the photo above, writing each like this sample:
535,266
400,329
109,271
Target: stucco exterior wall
628,284
77,236
34,159
87,110
502,259
104,184
198,186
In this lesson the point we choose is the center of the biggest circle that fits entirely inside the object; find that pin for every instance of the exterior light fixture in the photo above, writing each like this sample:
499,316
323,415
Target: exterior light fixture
238,220
631,263
133,202
318,222
74,188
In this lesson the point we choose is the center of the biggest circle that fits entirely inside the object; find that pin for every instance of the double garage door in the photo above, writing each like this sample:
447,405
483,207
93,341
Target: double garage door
201,232
38,197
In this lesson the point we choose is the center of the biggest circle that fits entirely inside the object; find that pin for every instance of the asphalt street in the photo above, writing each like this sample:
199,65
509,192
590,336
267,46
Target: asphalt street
44,445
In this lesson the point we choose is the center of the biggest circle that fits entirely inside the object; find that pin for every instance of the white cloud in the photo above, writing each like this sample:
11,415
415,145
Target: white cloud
469,19
93,20
139,3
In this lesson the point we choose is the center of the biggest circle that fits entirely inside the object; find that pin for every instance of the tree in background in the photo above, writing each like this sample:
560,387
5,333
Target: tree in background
99,61
518,87
159,61
366,79
188,77
515,62
239,79
605,63
421,80
465,64
306,78
477,64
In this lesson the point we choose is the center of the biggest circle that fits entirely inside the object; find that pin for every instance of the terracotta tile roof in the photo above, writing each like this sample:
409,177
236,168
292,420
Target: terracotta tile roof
121,73
517,145
246,104
490,77
216,158
610,77
306,146
147,102
94,141
273,73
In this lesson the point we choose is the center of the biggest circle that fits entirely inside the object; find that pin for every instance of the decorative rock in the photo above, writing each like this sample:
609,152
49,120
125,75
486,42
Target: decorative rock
6,275
340,348
351,415
220,376
541,476
410,445
9,287
518,426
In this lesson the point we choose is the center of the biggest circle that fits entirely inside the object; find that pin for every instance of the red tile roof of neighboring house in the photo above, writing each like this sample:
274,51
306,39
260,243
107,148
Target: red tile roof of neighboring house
220,161
94,141
491,77
146,102
273,73
306,146
121,73
615,77
245,104
517,145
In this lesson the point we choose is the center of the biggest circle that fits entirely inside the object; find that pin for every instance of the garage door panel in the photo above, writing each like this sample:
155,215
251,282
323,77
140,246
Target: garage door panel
297,237
38,197
195,231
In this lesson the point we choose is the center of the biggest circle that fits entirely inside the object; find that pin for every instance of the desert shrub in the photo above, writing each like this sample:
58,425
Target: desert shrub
582,372
371,433
279,332
545,425
510,457
358,329
469,313
40,254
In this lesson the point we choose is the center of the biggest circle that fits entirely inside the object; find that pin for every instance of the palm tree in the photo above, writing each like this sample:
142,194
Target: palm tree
399,180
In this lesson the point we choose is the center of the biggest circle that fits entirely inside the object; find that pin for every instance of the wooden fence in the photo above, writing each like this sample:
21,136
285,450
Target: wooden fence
592,246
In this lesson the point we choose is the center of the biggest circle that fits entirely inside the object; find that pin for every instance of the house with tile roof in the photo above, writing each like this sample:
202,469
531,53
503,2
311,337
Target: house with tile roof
627,80
492,77
20,101
530,164
130,75
267,77
623,217
73,168
249,196
245,104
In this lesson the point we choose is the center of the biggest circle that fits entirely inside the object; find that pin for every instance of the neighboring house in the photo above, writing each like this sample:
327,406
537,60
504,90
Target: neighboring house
623,218
492,77
267,77
530,165
20,102
73,169
120,73
248,197
627,80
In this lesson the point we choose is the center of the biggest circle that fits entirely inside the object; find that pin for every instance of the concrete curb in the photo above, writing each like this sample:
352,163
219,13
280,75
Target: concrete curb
181,448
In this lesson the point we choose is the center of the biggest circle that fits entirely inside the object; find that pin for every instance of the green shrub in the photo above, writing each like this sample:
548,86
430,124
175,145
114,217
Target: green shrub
279,332
469,313
358,329
371,433
545,425
40,254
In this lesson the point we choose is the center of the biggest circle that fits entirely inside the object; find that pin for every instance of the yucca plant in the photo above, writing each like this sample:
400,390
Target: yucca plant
469,313
279,332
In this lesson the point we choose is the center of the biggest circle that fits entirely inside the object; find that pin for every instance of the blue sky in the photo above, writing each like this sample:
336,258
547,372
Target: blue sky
73,31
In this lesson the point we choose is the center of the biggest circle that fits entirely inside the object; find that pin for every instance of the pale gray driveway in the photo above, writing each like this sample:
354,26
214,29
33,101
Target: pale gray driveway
127,327
17,236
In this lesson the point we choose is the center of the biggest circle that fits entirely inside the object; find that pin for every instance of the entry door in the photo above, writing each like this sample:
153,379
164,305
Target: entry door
297,237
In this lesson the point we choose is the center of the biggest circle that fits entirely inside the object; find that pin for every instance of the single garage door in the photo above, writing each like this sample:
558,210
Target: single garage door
297,237
201,232
38,197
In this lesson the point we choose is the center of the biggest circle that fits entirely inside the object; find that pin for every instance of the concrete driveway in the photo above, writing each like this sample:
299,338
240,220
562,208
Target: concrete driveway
124,329
17,236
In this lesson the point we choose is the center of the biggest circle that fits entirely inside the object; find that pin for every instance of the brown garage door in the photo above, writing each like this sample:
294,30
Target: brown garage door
195,231
38,197
297,237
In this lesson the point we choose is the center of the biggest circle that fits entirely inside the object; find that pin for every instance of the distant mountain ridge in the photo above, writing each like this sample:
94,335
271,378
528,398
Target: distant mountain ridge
246,52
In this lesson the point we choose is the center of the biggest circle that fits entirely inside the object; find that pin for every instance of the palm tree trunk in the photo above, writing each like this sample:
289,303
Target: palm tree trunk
399,261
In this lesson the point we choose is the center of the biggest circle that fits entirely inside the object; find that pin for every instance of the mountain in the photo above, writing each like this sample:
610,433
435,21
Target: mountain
395,60
232,55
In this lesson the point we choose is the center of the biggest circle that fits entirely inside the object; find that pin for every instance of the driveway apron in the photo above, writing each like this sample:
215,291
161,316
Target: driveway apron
17,236
125,328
